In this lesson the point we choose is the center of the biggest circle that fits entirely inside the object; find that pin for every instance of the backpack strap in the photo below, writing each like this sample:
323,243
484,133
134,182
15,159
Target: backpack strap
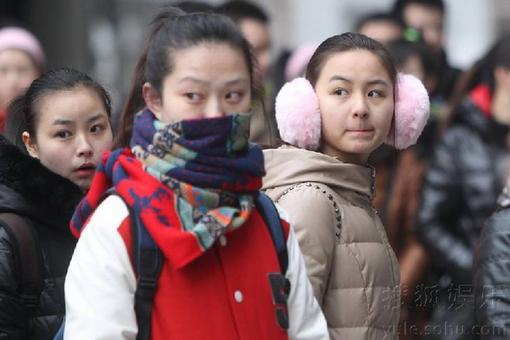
28,257
280,285
270,214
148,261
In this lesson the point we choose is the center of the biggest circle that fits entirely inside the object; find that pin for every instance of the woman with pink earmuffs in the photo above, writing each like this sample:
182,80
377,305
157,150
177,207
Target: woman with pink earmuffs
350,103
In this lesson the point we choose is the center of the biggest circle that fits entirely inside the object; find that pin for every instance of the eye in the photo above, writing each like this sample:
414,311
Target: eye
234,96
193,96
63,134
340,92
375,93
97,128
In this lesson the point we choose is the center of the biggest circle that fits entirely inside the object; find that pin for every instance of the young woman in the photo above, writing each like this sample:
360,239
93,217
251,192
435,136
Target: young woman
61,126
21,61
336,117
191,178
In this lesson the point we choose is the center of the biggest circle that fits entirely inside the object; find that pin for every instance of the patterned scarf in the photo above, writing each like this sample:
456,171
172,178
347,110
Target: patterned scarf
190,182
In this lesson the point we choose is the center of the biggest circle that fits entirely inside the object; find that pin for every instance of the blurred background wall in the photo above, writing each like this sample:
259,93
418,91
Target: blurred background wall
104,37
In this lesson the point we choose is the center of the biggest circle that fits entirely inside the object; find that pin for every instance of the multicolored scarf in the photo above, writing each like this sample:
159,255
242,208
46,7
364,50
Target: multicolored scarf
190,182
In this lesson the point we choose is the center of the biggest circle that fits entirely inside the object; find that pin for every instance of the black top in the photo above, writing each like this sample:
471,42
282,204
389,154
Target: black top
47,200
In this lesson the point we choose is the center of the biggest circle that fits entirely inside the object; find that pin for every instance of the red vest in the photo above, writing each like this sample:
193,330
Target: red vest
224,294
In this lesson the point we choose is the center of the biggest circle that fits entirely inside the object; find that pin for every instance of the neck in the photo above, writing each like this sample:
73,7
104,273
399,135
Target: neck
346,157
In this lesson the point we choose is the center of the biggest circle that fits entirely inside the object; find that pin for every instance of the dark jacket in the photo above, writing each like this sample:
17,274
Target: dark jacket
29,189
492,277
460,191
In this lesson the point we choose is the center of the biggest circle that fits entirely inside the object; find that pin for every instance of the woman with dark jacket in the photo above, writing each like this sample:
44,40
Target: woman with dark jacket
461,188
58,131
492,273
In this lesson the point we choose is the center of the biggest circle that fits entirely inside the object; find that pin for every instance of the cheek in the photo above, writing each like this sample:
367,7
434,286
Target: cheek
102,145
56,159
385,118
332,115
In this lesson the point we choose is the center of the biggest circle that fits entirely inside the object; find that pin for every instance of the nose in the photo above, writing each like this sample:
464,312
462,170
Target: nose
84,147
214,108
359,107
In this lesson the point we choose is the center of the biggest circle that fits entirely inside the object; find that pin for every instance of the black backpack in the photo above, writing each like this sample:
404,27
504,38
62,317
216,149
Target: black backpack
148,261
28,258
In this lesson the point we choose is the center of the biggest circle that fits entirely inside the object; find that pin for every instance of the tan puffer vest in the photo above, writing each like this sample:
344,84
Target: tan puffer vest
349,261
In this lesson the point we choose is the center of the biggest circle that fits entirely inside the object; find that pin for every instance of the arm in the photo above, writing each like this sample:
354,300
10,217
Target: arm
439,212
311,216
100,283
13,318
492,278
306,320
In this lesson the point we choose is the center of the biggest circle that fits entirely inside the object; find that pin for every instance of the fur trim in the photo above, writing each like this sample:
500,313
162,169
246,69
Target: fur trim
51,197
298,115
412,108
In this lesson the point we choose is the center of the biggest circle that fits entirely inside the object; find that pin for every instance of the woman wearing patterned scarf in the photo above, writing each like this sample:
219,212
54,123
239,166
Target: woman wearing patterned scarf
191,177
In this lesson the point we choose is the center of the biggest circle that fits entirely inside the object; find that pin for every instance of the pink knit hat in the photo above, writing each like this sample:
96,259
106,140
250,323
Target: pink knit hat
18,38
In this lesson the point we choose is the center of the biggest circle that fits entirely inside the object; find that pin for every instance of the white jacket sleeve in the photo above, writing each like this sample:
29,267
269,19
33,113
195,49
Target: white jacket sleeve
100,283
306,320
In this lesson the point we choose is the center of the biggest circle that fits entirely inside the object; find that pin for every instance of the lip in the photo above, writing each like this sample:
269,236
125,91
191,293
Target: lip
86,169
361,131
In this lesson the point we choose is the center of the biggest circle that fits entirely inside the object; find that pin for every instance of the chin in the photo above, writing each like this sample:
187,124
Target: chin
83,184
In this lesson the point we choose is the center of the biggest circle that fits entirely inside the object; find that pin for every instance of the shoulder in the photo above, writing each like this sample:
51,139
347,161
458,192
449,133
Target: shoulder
106,220
309,197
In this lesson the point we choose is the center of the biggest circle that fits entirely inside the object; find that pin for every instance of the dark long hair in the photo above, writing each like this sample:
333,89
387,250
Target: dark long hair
23,114
173,30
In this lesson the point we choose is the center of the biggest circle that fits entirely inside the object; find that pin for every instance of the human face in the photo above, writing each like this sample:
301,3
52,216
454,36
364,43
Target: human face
257,34
356,102
428,20
208,80
500,103
71,133
17,71
382,31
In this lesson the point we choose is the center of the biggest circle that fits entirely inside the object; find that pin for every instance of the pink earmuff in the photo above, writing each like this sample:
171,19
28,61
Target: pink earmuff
299,120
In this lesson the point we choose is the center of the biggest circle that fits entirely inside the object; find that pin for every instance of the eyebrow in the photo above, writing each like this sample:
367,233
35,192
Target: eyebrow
204,82
371,82
70,122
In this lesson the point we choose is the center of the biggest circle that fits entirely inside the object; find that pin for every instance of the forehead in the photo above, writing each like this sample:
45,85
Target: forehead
77,104
14,56
354,64
381,30
209,60
255,31
417,14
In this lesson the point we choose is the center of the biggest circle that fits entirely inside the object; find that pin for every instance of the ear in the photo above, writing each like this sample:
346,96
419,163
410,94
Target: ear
152,99
298,114
412,107
30,144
